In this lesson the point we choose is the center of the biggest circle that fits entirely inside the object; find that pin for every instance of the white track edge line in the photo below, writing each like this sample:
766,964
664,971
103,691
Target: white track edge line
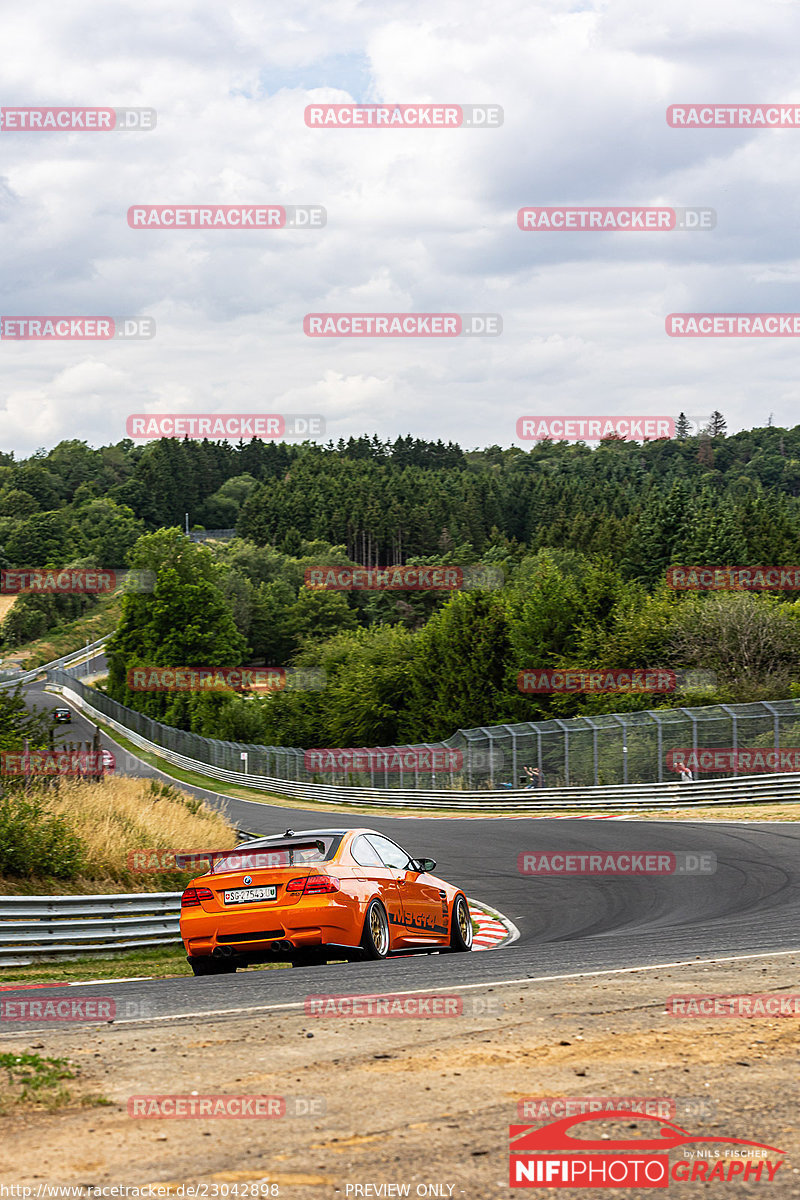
224,1012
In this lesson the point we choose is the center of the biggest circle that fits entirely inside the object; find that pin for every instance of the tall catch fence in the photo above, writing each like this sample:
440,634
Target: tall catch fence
609,750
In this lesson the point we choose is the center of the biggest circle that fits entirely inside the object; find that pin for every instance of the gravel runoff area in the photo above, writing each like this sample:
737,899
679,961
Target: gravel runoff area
423,1102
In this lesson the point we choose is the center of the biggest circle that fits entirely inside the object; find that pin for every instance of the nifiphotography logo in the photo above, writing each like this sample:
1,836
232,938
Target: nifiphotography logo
558,1155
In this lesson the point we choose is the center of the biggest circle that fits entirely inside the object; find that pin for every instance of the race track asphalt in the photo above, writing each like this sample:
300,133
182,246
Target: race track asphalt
568,926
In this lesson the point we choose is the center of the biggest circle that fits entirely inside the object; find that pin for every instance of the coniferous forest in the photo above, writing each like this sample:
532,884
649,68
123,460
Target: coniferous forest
580,536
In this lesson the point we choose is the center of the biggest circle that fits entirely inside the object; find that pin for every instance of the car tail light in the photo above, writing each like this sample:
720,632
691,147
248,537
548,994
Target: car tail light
314,885
193,896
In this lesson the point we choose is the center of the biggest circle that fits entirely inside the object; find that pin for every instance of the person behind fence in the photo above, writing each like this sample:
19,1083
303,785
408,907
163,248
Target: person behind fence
684,771
536,777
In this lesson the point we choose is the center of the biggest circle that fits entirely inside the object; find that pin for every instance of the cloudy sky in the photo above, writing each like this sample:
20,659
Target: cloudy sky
417,220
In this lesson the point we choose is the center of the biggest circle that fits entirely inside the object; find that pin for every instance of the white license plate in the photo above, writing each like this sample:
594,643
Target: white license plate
246,895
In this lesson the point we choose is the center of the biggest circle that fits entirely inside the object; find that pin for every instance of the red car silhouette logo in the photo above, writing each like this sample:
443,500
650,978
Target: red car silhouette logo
528,1139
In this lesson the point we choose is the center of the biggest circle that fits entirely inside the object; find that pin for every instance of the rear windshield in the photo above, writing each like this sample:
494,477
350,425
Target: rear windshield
297,852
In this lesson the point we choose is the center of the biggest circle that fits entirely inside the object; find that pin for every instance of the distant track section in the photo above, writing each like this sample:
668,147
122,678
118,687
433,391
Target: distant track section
748,790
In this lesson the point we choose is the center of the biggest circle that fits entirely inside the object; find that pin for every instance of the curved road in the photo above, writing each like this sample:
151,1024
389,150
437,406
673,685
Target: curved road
751,905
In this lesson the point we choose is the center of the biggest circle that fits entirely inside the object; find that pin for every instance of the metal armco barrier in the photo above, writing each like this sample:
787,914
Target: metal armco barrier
66,661
603,751
751,789
35,927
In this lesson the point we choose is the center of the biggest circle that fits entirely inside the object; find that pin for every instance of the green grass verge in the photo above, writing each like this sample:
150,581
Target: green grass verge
36,1081
67,638
32,1079
160,962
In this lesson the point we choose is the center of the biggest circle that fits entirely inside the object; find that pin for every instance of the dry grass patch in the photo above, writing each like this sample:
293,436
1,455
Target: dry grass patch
117,816
6,603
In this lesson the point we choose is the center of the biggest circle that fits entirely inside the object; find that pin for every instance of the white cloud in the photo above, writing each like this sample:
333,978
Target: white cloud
417,220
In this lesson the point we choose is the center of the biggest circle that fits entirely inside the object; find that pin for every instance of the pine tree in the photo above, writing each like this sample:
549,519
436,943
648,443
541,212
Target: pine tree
682,427
717,425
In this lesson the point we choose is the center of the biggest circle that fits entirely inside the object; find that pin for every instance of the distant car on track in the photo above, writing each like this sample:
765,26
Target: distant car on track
109,761
62,715
316,895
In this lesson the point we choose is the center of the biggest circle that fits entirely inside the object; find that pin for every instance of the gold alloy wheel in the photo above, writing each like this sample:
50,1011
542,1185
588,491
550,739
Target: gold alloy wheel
464,922
379,929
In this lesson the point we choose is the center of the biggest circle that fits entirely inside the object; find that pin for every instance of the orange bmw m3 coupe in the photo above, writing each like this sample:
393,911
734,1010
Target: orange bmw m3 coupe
316,895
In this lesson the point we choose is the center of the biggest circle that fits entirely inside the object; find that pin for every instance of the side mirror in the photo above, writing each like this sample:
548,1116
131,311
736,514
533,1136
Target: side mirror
426,864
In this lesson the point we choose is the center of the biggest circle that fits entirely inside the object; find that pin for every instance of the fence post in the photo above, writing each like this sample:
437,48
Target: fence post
659,744
776,723
693,719
513,756
595,772
734,738
565,731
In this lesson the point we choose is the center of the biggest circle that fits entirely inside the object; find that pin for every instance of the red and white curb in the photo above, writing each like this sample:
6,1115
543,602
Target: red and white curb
26,987
577,817
494,930
427,816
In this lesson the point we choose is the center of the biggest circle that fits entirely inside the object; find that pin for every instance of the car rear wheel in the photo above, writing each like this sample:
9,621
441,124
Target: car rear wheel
375,938
206,965
460,926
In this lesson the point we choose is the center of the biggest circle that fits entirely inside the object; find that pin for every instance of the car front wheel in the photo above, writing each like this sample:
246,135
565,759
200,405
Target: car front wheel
460,926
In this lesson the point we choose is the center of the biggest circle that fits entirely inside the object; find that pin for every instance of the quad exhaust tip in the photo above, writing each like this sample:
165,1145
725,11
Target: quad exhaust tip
280,947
